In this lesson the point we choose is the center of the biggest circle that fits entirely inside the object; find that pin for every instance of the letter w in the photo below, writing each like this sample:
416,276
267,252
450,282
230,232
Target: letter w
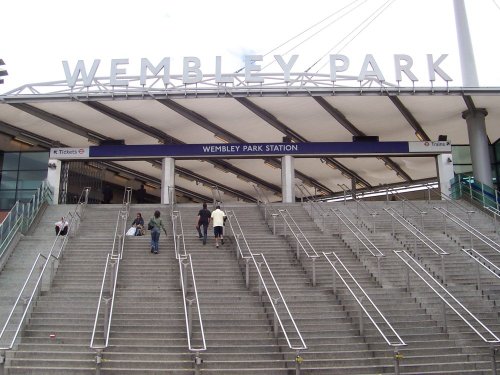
80,69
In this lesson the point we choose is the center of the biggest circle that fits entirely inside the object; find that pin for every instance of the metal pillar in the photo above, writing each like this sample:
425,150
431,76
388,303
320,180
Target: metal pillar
479,145
287,179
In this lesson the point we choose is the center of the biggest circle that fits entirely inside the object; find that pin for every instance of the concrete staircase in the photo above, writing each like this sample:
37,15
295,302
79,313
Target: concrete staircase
148,332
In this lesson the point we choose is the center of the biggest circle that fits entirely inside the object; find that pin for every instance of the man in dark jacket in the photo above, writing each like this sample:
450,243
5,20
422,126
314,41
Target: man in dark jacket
203,220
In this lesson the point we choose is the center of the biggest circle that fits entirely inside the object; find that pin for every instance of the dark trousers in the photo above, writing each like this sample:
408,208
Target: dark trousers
205,229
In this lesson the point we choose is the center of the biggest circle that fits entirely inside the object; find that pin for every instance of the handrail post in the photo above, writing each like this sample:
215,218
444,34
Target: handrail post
496,199
422,218
298,247
184,276
408,288
443,270
111,277
445,320
334,281
238,246
361,322
274,224
190,316
482,194
247,272
260,279
314,271
378,270
275,320
2,362
107,307
445,224
478,276
493,360
324,222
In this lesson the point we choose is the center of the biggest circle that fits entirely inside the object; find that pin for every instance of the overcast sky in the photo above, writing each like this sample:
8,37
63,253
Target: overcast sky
36,36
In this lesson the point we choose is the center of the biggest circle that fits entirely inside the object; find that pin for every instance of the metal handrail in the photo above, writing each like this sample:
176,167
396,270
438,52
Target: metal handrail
113,264
274,302
483,262
377,252
268,206
21,215
75,217
494,340
495,213
217,198
184,261
470,229
187,309
121,224
449,200
262,282
400,341
297,232
416,232
405,202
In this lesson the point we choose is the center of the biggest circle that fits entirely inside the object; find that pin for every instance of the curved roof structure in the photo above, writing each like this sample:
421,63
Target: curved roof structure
305,109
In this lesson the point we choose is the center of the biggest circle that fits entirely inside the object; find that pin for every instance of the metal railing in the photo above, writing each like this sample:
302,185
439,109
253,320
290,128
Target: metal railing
475,191
313,205
361,238
185,262
109,280
418,235
395,344
244,252
482,263
405,203
449,201
269,209
495,214
473,232
301,240
21,215
448,300
25,302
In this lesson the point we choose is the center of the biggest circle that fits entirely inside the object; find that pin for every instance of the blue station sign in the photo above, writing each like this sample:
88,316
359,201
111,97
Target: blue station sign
252,150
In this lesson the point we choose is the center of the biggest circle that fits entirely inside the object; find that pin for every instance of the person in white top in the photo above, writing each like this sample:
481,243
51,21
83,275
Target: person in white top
62,227
218,217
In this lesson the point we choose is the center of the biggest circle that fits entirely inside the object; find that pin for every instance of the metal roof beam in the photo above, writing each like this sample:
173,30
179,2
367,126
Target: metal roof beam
167,139
349,126
210,126
272,120
419,131
61,122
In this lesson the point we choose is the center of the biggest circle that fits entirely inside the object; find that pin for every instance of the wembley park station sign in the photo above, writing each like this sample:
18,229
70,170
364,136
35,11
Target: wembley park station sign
192,70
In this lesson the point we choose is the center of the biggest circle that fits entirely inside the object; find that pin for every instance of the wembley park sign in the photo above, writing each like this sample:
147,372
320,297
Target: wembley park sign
192,70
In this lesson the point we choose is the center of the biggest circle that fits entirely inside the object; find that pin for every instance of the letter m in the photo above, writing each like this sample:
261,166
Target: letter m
80,69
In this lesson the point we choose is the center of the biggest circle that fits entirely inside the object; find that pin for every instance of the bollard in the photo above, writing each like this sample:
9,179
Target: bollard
98,361
298,362
397,357
493,361
197,363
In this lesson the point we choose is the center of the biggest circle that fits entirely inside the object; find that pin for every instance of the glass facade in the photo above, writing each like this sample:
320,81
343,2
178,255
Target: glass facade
462,163
21,175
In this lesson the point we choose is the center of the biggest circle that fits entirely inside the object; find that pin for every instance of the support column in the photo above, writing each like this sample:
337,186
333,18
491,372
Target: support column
167,179
444,165
287,179
54,178
479,145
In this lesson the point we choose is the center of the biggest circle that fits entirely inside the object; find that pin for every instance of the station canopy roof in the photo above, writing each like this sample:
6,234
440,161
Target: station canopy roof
311,112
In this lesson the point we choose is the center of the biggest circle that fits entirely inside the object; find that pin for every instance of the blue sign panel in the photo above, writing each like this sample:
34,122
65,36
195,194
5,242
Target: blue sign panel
248,149
228,150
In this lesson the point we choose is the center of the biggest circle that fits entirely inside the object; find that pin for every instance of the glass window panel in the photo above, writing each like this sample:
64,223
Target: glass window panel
7,199
25,195
462,169
34,161
8,180
31,179
461,155
10,161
